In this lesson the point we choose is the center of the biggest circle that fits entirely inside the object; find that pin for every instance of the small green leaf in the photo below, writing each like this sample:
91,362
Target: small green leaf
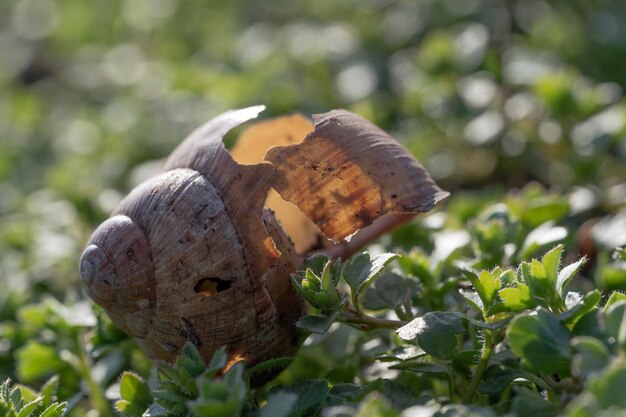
567,274
541,287
346,393
473,299
615,319
221,397
311,394
516,298
218,361
155,410
317,324
417,264
279,404
389,291
530,403
435,332
541,341
191,360
375,405
135,395
588,303
590,356
614,298
551,262
544,235
487,286
608,389
427,368
55,410
30,407
36,360
497,378
360,271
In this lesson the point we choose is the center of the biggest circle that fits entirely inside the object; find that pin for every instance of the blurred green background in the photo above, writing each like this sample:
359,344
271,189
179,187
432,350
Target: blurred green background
489,95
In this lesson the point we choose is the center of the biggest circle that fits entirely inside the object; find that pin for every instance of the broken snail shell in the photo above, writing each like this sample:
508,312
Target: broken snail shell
196,253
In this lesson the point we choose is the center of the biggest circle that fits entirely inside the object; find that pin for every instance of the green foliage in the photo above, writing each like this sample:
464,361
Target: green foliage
16,401
135,395
508,301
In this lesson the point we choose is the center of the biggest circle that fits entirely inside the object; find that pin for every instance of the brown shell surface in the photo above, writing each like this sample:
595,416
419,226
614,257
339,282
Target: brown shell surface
193,254
120,250
348,172
250,148
203,220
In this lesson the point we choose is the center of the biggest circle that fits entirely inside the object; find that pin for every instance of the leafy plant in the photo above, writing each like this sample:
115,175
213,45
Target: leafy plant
17,401
515,107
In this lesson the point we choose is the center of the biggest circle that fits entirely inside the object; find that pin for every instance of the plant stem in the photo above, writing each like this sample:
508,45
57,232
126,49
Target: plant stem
96,392
365,322
485,355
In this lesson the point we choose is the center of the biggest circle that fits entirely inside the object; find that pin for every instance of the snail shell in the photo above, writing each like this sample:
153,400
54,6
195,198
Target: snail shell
194,255
187,256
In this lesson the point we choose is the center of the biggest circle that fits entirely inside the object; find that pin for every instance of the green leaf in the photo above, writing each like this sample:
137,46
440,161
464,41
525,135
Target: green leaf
135,395
544,235
487,286
49,390
542,288
541,341
497,378
589,325
428,368
191,360
516,298
418,366
319,291
318,261
317,324
588,303
55,410
399,395
389,291
218,361
551,262
361,270
614,298
608,389
417,264
615,319
567,274
155,410
311,394
376,406
168,397
435,332
29,408
590,356
473,299
36,360
530,403
346,393
279,404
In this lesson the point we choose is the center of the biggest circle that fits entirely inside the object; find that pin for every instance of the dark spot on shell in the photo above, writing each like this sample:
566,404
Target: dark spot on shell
187,331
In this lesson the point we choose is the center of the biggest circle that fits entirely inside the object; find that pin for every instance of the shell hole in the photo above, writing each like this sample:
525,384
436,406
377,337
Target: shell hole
208,287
